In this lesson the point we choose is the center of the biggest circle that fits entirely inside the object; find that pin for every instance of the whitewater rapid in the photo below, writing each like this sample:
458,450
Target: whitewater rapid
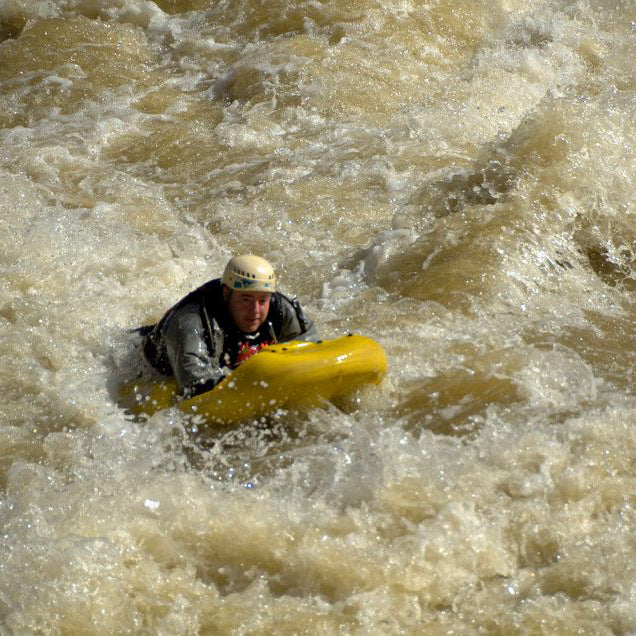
453,179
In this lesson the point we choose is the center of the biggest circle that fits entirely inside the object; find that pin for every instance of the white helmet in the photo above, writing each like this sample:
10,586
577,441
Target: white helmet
249,273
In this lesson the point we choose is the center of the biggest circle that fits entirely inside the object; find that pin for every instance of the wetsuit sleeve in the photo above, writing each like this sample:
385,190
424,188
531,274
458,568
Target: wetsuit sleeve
295,325
194,368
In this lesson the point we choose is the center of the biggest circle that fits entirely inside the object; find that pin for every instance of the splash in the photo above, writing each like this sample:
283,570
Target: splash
455,180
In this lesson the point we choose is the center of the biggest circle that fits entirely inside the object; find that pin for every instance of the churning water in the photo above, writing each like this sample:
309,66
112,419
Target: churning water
453,178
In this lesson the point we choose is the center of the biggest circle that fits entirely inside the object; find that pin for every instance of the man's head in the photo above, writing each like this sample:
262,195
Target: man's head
249,282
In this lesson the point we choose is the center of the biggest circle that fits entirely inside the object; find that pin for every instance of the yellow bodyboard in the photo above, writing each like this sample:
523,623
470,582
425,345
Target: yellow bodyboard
289,375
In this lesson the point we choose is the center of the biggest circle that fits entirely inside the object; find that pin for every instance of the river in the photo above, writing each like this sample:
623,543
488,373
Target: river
453,179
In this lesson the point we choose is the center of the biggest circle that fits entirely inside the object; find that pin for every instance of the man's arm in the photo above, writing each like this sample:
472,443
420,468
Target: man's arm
194,368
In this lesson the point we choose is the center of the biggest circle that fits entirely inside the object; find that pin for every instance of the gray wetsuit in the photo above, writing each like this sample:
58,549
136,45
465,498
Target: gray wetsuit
198,342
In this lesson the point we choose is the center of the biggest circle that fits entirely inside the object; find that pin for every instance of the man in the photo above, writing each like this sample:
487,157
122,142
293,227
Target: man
222,323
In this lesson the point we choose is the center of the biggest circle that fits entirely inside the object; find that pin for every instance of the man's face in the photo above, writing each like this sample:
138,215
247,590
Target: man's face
248,309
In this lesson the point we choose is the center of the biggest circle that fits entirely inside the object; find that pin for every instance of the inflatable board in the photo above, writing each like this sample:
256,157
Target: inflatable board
288,375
